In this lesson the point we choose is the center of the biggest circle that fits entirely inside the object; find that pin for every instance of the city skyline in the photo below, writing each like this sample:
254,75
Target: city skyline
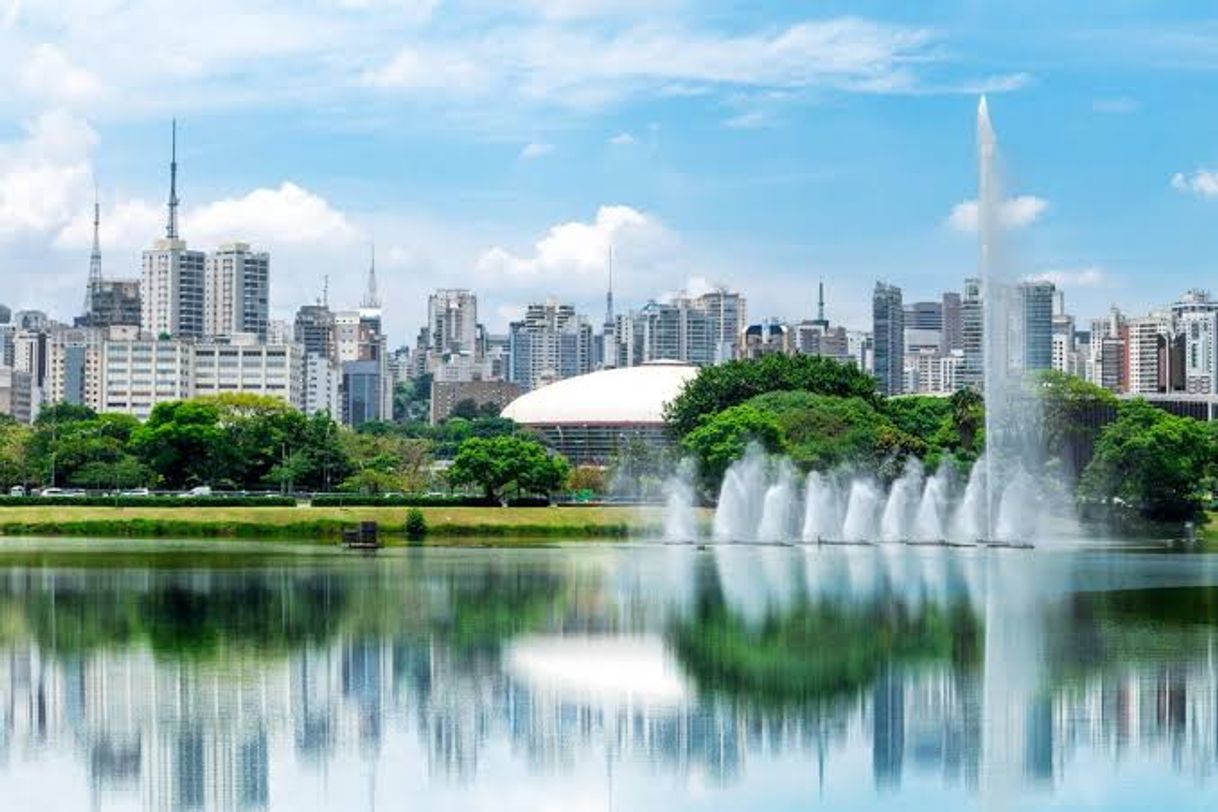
812,145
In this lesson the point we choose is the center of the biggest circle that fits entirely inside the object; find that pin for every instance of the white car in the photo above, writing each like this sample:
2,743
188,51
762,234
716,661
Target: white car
136,492
199,490
17,490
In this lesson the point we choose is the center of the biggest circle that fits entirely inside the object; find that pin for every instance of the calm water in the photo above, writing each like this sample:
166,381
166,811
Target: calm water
174,677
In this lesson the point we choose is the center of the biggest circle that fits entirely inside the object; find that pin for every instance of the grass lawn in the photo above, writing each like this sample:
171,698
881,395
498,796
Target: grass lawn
324,522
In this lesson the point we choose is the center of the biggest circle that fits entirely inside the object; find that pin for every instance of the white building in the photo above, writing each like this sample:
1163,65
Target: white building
1147,337
452,320
322,378
15,394
274,370
237,291
1196,318
137,375
74,366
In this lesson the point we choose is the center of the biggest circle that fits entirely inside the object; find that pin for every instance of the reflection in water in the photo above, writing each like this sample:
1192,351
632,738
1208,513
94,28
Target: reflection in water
620,677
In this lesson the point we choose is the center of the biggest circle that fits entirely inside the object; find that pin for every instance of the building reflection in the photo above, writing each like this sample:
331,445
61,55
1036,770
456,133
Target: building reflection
203,726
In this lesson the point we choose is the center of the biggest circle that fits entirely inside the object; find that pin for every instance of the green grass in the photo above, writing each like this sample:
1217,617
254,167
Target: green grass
326,523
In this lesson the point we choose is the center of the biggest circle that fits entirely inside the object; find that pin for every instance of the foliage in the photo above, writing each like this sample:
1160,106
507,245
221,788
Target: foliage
14,461
1152,460
1074,411
183,443
167,502
385,463
717,388
815,431
412,399
919,415
416,525
500,464
587,479
471,409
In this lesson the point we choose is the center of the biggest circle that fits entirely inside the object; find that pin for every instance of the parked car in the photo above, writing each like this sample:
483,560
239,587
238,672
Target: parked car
17,490
136,492
198,490
51,493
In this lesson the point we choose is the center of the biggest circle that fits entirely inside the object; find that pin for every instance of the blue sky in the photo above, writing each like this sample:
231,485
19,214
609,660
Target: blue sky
502,146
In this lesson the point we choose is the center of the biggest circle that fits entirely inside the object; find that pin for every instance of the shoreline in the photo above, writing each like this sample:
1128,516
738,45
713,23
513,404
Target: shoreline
325,524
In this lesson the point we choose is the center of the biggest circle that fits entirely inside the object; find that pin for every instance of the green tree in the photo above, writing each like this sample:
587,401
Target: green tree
497,465
720,387
14,459
1152,460
722,440
1074,412
385,462
183,443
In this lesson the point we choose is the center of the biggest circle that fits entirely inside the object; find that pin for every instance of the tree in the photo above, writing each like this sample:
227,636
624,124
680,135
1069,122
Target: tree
14,460
496,465
385,462
1152,460
1074,412
722,440
720,387
183,443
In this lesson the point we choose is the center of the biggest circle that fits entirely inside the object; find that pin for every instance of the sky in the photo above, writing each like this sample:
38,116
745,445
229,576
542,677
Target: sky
504,146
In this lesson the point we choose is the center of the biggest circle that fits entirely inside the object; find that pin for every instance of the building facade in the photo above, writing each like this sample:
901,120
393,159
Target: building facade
237,291
888,330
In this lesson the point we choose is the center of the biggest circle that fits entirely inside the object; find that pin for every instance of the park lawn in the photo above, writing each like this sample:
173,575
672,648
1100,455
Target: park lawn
324,522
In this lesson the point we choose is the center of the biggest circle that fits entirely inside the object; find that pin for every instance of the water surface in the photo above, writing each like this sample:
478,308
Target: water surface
203,675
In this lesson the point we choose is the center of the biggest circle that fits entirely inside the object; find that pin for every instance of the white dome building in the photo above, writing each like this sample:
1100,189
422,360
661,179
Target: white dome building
588,417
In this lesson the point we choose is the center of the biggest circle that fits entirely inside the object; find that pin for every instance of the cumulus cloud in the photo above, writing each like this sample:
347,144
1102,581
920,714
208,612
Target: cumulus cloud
1091,276
575,251
1014,213
267,217
1203,183
49,75
430,69
44,175
535,150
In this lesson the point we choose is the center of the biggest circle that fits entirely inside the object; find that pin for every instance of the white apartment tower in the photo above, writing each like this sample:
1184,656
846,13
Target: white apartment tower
452,319
172,288
237,291
1196,318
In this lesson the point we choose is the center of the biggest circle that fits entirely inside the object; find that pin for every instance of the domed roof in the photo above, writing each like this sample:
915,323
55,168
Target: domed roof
629,395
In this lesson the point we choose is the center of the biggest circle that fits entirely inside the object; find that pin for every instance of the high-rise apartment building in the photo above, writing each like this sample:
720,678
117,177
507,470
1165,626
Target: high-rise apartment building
888,330
951,337
1148,341
452,321
970,372
1196,319
551,343
236,291
314,330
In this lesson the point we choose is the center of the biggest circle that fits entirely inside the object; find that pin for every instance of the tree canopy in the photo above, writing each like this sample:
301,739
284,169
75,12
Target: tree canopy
720,387
497,465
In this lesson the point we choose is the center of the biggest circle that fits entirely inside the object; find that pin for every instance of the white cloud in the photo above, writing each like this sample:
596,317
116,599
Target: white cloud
45,175
430,70
51,76
749,120
571,253
623,140
1203,183
535,150
1091,276
1014,213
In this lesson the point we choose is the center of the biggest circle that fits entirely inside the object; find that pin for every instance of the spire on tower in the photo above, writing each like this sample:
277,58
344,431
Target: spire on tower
609,293
95,269
820,307
171,227
372,299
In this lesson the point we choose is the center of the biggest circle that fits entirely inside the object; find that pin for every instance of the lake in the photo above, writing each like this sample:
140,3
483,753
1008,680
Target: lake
208,675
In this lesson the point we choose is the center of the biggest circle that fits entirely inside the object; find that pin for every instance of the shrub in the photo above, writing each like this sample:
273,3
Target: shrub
416,525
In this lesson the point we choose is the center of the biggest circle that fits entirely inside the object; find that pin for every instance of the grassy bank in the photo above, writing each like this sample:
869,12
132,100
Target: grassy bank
325,523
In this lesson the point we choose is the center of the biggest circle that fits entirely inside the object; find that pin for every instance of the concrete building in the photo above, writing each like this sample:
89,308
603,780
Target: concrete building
137,375
952,334
1035,351
590,418
274,370
971,371
16,393
322,385
1196,318
1149,339
314,330
74,366
452,321
236,297
551,343
888,330
445,395
363,386
112,303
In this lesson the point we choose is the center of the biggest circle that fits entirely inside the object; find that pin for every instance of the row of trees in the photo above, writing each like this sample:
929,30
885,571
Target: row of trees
823,414
250,442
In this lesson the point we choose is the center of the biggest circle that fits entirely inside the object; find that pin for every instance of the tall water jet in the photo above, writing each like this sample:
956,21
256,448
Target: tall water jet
680,515
822,508
861,509
741,498
778,506
1013,426
902,503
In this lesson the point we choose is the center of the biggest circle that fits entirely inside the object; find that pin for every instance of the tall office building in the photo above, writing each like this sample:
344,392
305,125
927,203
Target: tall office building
970,373
726,316
552,342
172,292
237,291
1035,351
1196,319
888,331
951,337
452,321
314,330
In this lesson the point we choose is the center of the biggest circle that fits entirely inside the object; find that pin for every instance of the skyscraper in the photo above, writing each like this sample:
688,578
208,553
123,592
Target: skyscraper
452,321
237,291
1036,305
971,371
951,336
1196,318
888,328
172,292
551,343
